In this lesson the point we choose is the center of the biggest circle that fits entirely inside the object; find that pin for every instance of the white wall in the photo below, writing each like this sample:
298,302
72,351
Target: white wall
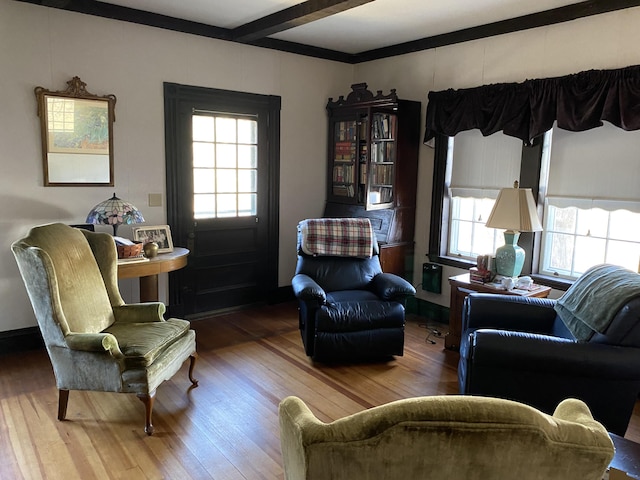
599,42
45,47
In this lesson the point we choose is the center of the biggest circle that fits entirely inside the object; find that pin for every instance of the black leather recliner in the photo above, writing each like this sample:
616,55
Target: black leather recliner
520,349
349,309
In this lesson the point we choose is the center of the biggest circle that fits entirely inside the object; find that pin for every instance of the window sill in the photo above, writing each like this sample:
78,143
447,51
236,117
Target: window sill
547,280
452,261
553,282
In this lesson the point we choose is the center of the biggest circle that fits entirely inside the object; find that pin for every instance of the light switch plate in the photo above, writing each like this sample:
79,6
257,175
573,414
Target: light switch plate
155,199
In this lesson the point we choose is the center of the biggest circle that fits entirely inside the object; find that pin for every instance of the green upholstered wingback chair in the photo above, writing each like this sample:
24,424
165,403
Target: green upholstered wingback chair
445,437
95,341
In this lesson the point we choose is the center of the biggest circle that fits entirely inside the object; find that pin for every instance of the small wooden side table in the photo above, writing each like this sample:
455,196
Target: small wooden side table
627,457
461,286
148,271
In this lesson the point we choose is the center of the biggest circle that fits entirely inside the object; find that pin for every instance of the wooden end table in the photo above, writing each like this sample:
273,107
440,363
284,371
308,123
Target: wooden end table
461,286
627,457
148,271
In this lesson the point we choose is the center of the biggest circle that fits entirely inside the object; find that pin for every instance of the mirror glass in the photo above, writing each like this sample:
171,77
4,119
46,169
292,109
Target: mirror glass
77,136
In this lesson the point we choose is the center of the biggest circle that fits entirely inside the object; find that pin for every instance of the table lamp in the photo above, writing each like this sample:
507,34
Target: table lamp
515,211
114,211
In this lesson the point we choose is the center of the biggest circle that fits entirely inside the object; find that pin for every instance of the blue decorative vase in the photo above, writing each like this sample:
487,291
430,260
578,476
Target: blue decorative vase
510,257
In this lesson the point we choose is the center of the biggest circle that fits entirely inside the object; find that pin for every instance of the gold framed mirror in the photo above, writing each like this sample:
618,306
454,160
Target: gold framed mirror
77,136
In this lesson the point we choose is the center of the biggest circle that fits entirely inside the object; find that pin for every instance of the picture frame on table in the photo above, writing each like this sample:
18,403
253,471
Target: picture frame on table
161,234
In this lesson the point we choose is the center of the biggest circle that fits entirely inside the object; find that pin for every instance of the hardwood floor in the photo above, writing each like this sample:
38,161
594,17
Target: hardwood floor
227,427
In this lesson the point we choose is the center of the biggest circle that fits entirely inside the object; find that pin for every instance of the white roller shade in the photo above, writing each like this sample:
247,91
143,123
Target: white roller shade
588,203
483,165
597,165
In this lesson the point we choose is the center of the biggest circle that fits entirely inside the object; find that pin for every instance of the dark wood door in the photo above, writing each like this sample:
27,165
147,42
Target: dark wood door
222,196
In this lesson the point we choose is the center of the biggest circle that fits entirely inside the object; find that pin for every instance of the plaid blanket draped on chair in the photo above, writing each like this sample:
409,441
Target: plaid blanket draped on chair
339,237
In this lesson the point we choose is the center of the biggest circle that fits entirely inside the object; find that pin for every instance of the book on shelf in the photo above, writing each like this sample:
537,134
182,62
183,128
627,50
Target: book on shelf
382,174
390,150
346,130
343,190
380,195
345,150
363,153
363,128
383,151
363,173
343,173
383,126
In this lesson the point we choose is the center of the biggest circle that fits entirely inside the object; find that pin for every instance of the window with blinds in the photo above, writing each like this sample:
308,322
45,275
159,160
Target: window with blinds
592,205
479,168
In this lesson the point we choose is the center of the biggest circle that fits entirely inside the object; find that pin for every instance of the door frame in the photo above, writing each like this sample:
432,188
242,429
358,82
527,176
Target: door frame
176,97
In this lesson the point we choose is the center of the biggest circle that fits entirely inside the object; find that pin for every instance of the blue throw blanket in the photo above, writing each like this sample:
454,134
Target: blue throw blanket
593,300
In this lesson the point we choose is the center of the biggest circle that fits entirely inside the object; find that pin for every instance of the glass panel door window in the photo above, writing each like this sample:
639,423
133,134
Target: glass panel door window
577,237
225,166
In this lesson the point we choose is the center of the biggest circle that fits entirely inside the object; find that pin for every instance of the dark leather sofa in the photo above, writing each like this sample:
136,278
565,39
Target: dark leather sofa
349,309
520,349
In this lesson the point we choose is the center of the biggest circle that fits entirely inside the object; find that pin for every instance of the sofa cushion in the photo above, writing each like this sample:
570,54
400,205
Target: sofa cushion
358,310
143,343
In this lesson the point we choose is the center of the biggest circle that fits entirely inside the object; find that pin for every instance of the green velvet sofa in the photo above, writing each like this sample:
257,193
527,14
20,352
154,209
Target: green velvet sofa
445,437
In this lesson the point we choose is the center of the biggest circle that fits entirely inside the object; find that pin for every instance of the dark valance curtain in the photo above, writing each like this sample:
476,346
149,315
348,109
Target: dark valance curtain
526,110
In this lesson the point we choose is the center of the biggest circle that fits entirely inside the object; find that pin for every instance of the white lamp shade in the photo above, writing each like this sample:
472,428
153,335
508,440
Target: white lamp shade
515,209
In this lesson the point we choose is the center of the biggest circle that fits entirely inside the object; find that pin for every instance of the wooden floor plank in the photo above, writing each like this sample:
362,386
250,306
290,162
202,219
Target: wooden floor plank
224,429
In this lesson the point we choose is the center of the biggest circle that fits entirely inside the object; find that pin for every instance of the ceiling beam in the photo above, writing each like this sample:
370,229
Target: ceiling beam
294,16
548,17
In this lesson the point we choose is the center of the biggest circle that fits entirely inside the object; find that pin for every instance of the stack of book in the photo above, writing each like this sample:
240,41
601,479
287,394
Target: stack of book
480,276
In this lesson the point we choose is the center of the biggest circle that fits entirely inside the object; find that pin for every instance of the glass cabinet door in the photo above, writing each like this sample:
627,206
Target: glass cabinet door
344,159
381,173
363,156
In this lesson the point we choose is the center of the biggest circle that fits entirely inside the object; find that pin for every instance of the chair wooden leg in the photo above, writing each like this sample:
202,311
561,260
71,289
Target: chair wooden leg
63,401
148,399
192,363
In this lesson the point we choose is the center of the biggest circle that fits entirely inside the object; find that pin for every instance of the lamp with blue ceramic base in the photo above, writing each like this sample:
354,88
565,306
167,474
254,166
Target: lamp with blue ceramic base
510,256
515,210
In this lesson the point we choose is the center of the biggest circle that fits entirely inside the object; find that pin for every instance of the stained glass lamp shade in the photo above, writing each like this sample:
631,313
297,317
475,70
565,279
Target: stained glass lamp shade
115,212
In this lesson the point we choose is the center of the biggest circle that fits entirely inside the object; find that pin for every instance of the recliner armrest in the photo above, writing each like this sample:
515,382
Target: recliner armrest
533,352
140,312
94,342
509,312
307,289
388,286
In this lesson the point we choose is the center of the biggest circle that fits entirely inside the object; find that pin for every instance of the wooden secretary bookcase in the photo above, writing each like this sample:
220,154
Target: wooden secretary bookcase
373,168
